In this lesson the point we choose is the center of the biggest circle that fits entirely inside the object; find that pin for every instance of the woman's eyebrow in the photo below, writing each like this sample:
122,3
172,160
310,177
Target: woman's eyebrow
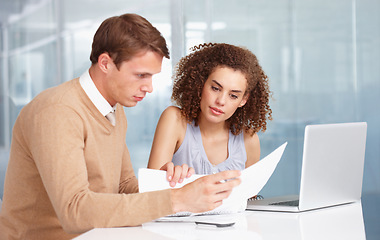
216,82
235,91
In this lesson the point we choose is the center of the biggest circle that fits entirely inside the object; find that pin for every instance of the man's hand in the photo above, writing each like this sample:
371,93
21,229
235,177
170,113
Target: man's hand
205,193
176,174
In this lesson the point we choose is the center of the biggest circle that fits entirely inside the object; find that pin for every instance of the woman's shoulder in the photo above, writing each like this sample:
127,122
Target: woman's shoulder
251,140
248,136
173,115
173,110
252,148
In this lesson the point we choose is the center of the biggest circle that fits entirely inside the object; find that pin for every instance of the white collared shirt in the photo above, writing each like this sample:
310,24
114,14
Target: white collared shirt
95,96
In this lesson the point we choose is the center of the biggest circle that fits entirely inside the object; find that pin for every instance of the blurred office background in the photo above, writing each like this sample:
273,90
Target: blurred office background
322,58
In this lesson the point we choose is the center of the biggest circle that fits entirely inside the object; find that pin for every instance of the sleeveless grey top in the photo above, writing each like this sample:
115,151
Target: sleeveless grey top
192,153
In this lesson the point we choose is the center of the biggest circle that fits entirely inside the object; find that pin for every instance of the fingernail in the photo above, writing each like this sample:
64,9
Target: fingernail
180,180
172,184
170,178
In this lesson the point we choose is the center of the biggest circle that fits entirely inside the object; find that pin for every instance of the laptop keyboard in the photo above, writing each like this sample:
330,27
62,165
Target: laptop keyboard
286,203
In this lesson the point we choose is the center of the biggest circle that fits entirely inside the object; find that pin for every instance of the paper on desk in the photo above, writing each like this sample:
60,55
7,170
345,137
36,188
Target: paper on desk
253,180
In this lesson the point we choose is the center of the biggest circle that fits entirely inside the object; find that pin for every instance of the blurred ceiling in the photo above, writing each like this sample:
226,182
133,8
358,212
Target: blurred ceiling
9,7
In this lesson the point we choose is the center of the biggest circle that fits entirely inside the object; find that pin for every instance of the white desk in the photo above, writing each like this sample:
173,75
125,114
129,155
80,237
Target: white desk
341,222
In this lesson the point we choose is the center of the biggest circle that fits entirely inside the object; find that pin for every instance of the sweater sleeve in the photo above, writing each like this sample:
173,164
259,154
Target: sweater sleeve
128,180
57,143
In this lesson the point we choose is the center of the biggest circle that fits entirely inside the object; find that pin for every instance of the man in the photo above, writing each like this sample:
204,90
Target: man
69,169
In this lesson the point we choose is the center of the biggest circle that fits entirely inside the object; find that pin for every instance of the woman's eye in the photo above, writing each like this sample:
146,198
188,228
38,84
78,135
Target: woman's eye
234,96
214,88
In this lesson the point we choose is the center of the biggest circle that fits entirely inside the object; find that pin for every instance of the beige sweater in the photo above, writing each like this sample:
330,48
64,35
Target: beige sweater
69,170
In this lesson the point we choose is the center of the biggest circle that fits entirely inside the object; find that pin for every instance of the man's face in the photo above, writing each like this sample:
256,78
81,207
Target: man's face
130,83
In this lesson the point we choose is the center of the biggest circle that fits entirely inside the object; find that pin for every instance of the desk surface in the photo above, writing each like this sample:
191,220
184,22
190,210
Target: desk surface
340,222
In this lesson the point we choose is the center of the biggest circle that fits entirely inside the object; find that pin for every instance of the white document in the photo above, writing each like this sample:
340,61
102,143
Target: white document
253,180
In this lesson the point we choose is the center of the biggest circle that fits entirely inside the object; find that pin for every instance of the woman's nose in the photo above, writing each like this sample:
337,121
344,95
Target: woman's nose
221,99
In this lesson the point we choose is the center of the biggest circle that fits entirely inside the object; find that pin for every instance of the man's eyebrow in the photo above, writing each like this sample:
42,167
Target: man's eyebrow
144,73
235,91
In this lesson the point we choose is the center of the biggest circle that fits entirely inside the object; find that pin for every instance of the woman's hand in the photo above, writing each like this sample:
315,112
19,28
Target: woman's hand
176,174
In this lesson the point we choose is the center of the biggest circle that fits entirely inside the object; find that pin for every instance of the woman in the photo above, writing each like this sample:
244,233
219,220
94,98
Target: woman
222,97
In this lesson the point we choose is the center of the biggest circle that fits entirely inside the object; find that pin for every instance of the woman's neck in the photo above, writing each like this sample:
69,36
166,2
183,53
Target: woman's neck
209,129
215,137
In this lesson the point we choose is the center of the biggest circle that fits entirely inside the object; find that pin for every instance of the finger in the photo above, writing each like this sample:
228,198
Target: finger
176,175
219,199
185,169
217,204
190,172
169,170
227,186
226,175
223,195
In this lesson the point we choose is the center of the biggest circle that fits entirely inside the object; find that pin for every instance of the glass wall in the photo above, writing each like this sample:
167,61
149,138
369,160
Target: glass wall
311,52
322,58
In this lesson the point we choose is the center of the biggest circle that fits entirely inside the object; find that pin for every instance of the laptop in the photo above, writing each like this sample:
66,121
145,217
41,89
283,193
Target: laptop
332,169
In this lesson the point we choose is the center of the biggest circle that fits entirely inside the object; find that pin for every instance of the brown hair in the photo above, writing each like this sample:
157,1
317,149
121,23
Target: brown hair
193,70
122,37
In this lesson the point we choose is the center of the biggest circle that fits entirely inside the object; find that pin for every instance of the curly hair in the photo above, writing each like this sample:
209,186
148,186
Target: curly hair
193,70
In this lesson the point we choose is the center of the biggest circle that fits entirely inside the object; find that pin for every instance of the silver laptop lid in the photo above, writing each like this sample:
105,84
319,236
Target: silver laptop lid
333,163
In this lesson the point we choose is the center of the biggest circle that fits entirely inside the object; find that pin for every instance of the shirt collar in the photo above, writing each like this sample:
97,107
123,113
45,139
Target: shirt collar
95,96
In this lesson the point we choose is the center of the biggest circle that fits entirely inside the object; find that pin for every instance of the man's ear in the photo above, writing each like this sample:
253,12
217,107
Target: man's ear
104,61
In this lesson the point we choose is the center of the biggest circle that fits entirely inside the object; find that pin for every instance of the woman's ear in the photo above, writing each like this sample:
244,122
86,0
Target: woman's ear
244,100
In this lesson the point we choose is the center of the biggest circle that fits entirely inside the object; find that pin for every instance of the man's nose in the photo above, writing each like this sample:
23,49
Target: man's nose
148,86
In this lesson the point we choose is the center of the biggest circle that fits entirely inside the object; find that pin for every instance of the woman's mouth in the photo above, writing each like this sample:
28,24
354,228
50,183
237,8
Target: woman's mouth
216,111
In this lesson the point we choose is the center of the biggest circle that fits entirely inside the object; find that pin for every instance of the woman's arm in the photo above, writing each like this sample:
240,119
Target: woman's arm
252,147
170,132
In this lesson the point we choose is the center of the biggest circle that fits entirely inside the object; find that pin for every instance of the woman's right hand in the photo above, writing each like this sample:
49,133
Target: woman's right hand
176,174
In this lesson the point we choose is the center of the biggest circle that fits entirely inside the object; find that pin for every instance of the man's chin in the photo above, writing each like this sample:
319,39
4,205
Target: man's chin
129,104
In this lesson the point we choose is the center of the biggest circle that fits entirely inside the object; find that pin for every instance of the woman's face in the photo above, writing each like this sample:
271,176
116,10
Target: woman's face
223,92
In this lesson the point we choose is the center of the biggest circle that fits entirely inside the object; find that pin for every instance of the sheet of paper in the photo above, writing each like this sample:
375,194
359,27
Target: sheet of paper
153,180
253,180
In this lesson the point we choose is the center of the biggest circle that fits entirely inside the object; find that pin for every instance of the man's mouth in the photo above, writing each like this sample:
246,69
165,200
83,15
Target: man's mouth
139,98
